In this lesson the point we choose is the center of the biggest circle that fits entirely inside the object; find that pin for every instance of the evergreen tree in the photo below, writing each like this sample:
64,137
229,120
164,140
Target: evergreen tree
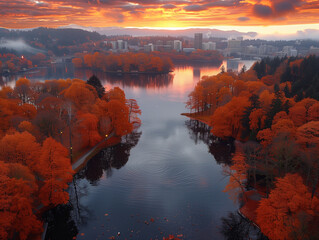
96,83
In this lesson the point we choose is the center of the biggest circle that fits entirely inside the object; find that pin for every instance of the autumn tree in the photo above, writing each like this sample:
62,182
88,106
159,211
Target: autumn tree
226,120
134,112
87,126
279,215
55,168
119,115
20,148
237,173
24,91
18,187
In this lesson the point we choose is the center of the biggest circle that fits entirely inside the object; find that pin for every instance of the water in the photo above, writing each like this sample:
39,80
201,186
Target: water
166,178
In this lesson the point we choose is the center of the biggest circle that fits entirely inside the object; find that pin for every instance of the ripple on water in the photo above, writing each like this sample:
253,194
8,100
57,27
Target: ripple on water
157,171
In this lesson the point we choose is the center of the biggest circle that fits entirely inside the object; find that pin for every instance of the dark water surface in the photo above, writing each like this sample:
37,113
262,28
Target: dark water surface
166,178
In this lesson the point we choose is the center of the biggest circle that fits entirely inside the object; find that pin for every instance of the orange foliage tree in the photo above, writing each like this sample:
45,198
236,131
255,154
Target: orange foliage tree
288,207
237,173
35,168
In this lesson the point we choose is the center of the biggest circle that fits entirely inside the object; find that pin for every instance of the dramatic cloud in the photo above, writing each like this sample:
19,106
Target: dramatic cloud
262,10
283,7
156,13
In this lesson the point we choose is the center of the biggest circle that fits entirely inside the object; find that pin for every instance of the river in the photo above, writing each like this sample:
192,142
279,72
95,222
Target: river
166,178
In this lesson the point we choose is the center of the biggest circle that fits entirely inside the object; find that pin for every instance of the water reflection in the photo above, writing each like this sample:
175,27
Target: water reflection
61,224
63,220
236,227
222,151
166,176
107,159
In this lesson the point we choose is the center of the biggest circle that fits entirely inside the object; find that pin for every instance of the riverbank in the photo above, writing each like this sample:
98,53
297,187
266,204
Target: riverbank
203,117
83,158
252,198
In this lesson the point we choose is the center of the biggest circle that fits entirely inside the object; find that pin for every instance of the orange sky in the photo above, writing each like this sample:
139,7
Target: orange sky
236,14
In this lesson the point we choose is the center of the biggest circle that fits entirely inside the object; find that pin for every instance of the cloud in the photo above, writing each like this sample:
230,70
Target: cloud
156,13
119,17
168,6
243,19
262,10
195,8
222,3
283,7
277,10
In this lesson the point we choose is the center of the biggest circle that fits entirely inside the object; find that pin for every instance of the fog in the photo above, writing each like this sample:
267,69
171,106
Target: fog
19,46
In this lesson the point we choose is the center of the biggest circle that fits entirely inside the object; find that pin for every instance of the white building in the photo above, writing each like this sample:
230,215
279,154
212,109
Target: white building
149,47
209,46
119,45
178,45
289,51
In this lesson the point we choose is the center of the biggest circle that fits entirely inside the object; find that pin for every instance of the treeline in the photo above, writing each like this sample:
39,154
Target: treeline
12,63
43,127
207,57
125,62
57,41
272,106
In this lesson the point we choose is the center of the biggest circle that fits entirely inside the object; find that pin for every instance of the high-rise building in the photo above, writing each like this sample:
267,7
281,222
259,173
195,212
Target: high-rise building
198,40
178,45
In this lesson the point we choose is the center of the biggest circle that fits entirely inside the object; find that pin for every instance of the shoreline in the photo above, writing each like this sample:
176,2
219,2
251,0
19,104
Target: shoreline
203,117
249,207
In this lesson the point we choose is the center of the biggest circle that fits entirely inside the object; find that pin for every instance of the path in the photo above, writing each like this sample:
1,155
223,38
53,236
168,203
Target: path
83,158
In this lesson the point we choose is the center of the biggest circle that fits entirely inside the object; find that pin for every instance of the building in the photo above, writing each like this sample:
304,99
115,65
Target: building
251,50
209,46
149,47
178,45
188,50
234,45
119,45
122,45
289,51
198,40
314,50
267,50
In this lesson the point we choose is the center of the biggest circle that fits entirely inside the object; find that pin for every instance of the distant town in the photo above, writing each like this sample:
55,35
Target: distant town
231,47
24,50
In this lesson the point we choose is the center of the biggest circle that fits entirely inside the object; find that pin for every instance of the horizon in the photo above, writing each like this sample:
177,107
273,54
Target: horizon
280,32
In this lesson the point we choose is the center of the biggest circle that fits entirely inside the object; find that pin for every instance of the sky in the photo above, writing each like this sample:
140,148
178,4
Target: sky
265,17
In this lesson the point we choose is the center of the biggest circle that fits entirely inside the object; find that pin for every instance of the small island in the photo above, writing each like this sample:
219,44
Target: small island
128,63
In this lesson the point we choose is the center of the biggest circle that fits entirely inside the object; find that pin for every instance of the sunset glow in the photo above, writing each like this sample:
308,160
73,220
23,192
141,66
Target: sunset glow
264,17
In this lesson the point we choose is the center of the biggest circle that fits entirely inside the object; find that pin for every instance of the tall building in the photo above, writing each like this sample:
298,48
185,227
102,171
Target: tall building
198,40
178,45
234,45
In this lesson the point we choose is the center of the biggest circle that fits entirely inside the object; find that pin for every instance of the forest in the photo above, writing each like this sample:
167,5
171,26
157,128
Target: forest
125,62
271,112
44,128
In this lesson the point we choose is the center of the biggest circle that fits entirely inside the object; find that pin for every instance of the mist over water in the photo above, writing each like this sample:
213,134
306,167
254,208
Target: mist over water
19,46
